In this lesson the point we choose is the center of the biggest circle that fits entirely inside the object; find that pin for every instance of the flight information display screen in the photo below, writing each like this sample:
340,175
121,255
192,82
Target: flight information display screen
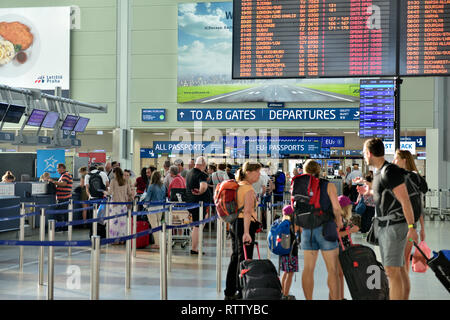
36,117
81,125
340,38
50,120
377,108
69,123
425,37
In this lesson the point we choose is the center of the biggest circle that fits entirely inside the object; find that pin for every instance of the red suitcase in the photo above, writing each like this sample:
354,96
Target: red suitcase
143,241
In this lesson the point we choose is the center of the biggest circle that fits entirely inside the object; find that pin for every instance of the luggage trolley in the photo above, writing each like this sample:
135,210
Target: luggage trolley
446,211
180,217
431,210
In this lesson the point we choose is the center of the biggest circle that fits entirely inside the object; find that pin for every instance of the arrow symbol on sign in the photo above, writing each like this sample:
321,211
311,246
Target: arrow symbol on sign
182,114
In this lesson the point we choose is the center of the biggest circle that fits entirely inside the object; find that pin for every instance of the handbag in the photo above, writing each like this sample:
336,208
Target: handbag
329,231
371,236
361,207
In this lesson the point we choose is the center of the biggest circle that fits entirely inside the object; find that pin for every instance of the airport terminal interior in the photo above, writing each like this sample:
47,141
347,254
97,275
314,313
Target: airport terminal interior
149,91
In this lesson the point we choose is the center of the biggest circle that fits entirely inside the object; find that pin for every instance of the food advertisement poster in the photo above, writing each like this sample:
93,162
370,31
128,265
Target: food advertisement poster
35,47
205,60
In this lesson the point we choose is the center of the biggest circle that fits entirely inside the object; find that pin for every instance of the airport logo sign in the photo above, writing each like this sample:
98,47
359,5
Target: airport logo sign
148,153
47,161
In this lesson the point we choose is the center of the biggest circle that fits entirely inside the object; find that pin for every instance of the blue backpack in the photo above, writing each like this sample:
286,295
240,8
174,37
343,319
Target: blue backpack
279,237
280,181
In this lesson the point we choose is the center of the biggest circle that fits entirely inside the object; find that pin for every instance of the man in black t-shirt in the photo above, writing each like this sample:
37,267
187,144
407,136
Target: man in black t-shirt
392,230
197,190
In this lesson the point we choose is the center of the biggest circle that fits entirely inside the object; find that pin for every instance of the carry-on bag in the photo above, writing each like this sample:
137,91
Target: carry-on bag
259,279
440,264
143,241
364,275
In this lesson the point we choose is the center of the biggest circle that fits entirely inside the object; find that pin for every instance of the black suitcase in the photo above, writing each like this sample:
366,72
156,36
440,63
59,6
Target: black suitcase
364,275
259,279
440,265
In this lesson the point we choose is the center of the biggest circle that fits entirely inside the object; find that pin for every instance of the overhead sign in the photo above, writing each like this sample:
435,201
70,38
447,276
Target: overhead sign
264,114
389,147
346,153
188,147
37,47
6,136
153,114
285,147
47,161
148,153
94,157
325,142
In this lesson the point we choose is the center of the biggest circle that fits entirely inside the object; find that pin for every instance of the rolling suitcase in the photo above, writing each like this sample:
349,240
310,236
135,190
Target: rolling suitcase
259,279
440,264
364,275
143,241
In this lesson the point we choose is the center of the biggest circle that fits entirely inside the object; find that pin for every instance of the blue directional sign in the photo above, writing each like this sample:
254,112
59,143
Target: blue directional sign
153,114
188,147
265,114
148,153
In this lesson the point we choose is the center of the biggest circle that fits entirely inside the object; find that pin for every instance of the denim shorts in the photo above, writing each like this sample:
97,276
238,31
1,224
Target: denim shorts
317,242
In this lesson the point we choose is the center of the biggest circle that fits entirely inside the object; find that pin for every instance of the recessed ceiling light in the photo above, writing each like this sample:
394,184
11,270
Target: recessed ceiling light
350,132
311,134
159,133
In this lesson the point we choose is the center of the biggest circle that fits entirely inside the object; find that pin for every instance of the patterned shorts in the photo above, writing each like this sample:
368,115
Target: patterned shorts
289,263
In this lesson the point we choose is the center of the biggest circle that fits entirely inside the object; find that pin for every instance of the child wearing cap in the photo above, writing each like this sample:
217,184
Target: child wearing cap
289,263
351,225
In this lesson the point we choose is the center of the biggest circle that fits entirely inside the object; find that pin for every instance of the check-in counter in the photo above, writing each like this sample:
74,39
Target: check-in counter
9,201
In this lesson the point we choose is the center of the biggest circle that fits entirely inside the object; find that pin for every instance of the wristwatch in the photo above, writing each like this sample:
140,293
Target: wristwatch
414,226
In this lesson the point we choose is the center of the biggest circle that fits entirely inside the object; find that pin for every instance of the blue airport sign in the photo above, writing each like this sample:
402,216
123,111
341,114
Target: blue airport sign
153,114
148,153
265,114
188,147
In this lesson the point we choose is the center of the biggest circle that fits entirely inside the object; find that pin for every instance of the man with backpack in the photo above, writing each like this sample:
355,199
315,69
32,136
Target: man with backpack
96,182
394,223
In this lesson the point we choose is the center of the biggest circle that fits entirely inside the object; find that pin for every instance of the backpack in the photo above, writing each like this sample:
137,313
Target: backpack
279,237
305,199
225,199
96,185
416,186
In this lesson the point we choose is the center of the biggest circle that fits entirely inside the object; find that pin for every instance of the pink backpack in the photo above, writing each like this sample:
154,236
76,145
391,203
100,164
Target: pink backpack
419,263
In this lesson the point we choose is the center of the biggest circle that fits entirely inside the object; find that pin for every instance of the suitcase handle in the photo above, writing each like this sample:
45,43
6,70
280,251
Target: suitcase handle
420,250
349,237
245,250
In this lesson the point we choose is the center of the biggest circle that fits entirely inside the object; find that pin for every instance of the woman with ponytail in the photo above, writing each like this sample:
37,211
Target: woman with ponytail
243,229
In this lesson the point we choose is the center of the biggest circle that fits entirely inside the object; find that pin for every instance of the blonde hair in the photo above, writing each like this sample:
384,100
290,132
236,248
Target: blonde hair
44,176
241,174
347,210
406,155
312,167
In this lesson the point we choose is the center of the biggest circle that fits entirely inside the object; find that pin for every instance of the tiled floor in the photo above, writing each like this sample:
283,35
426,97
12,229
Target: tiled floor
190,279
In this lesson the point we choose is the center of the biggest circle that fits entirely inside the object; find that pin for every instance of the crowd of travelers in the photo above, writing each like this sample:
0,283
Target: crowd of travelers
376,200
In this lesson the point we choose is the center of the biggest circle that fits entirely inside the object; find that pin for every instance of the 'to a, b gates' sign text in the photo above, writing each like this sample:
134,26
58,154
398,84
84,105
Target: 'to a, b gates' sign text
261,114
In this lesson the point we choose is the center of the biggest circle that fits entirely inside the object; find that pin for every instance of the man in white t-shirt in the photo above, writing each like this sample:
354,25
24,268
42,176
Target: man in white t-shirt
220,175
96,192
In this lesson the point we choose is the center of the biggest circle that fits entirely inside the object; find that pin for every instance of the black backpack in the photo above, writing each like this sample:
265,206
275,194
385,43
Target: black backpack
416,186
305,199
96,185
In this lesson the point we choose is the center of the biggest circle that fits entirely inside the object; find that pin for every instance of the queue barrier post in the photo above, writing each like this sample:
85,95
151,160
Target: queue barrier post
51,260
21,235
219,240
128,253
70,218
41,248
95,216
169,241
134,229
95,267
200,232
163,259
269,214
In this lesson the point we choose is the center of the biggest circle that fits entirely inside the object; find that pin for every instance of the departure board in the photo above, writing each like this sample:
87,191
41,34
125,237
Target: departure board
377,108
425,37
340,38
314,38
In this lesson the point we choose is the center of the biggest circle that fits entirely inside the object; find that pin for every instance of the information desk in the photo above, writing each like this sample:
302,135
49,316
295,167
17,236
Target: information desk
8,201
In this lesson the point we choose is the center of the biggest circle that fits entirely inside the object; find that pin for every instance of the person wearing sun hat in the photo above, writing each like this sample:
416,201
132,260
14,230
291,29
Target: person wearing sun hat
289,263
